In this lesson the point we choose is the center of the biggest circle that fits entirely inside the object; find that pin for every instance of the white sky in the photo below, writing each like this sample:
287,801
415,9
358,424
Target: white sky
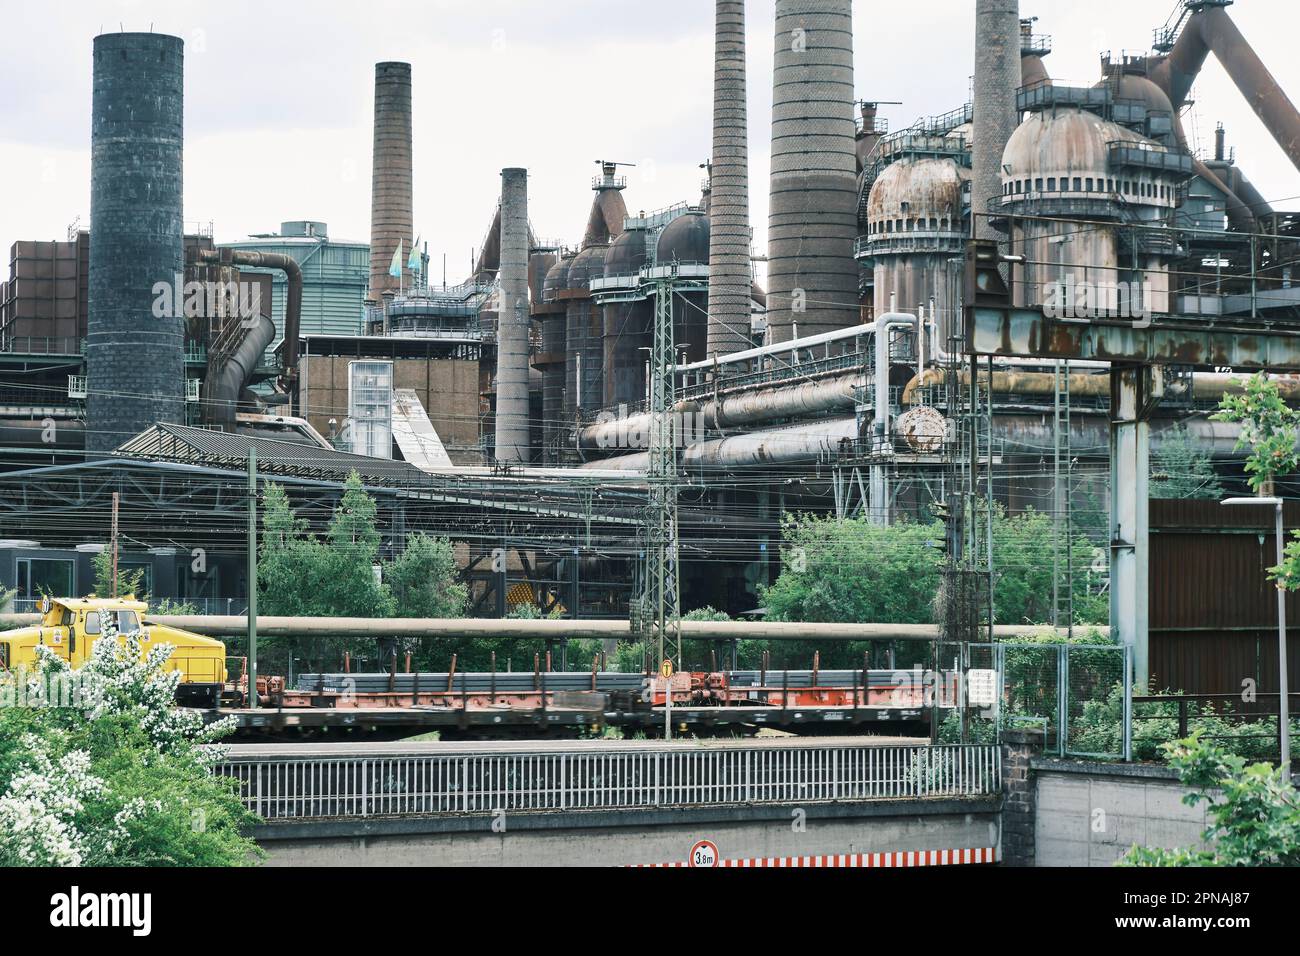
279,99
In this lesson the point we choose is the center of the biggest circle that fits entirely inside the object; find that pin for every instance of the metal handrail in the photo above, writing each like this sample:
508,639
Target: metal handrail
378,784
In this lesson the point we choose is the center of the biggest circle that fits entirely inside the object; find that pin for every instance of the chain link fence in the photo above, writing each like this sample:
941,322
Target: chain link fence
1081,695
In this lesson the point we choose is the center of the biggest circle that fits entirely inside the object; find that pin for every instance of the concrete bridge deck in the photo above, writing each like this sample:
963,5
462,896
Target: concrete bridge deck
619,802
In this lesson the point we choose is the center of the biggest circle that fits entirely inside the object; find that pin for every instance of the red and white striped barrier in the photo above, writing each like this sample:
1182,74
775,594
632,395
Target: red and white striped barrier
894,859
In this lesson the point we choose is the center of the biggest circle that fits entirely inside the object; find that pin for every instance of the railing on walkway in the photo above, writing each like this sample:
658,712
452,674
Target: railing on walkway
375,785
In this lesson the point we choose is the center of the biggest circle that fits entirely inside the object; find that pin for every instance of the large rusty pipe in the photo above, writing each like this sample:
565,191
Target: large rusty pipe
1257,85
1212,30
293,301
1205,385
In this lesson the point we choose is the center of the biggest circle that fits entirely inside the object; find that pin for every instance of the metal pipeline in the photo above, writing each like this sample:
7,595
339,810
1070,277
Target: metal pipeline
224,386
544,629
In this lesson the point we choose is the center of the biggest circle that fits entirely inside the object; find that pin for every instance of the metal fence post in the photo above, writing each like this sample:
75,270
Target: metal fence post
564,781
1128,702
365,787
1062,696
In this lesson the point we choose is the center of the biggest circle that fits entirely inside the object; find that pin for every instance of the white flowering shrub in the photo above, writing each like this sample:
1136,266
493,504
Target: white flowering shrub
120,777
38,810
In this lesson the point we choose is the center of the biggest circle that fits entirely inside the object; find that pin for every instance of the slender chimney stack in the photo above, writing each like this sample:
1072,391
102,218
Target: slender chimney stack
390,184
729,268
512,439
813,216
135,352
997,77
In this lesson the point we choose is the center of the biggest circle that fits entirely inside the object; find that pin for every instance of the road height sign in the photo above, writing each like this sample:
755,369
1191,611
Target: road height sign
704,854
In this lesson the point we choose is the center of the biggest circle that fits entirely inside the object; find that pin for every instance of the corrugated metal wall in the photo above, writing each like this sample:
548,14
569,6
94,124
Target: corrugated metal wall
1213,611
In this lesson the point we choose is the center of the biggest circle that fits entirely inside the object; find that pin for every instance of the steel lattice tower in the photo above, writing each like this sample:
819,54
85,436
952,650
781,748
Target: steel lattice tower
661,598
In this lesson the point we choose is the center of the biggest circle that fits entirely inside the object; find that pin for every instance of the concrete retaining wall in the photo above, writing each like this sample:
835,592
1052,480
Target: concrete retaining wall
1089,814
598,838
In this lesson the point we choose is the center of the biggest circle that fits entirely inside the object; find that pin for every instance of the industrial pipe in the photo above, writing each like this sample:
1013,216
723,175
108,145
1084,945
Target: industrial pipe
1210,29
542,629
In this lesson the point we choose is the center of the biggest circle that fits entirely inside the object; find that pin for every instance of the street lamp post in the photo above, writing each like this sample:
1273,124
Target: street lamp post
1284,720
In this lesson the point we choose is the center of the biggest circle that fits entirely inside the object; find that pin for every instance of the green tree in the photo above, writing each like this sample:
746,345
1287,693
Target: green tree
1183,469
1268,429
1254,811
128,582
422,579
855,571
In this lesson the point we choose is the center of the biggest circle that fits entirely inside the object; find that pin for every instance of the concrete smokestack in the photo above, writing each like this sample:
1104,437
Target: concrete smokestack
512,320
390,183
997,77
135,357
813,219
729,270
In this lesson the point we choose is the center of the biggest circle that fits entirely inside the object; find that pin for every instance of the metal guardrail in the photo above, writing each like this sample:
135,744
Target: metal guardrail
623,778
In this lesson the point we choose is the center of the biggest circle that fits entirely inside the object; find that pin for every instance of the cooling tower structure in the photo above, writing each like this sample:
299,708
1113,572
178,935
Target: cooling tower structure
135,359
997,77
729,235
390,184
512,321
812,222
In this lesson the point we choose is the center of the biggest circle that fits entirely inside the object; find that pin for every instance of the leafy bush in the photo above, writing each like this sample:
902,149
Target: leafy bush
1253,808
123,778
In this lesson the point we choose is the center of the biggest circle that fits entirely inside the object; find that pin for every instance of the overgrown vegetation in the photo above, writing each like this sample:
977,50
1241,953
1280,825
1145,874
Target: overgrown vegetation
1268,430
1254,811
1181,468
303,575
854,571
97,768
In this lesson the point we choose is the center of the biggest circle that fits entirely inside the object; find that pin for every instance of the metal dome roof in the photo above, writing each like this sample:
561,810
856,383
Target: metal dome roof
685,239
557,277
626,254
920,188
1065,141
586,264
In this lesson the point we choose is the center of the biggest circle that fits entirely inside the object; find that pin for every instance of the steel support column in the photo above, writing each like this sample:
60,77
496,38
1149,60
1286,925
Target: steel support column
1130,452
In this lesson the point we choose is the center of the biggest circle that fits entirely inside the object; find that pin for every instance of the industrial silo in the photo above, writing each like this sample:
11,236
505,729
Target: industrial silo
135,349
550,311
584,334
628,320
685,241
1070,164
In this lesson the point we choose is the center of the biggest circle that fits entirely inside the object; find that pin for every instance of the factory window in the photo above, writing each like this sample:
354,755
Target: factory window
1110,185
1038,185
1051,184
1087,184
40,576
1078,184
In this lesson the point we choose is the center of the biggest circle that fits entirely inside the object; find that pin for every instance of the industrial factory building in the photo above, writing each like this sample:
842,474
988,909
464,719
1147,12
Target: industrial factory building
635,394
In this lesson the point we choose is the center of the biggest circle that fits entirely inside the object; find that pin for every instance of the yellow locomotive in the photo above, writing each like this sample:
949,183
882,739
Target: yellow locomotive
70,627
